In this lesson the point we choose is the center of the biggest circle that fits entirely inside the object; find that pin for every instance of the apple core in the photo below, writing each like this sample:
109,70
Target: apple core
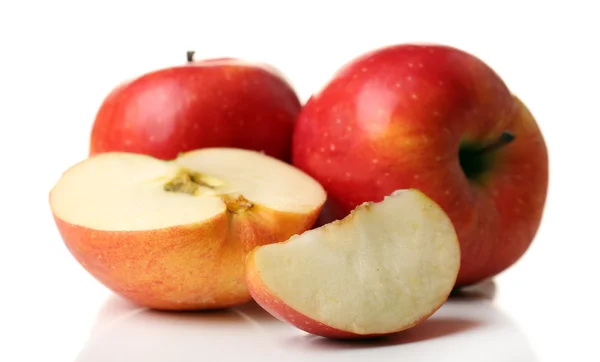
195,184
187,182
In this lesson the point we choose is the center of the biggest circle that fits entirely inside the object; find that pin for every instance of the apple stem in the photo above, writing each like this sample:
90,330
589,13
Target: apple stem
504,139
190,56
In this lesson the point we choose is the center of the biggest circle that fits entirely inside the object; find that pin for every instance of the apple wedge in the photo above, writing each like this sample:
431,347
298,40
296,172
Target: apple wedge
174,234
384,268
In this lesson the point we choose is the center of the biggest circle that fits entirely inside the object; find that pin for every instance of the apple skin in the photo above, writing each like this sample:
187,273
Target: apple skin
195,267
264,297
223,102
396,118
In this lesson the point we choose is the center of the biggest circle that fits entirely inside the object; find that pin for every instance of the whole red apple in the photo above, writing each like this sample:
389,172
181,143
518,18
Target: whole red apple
437,119
206,103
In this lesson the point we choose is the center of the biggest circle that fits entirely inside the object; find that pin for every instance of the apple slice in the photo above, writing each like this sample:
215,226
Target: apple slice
384,268
174,234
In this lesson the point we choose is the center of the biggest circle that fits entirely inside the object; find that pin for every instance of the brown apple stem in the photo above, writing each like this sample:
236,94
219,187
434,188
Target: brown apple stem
504,139
190,56
186,182
236,204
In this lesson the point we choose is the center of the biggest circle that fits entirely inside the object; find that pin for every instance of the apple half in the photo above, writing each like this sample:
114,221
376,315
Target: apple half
384,268
174,234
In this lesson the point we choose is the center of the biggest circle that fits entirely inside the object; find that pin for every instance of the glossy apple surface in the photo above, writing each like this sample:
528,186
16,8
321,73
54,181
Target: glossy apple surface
204,103
440,120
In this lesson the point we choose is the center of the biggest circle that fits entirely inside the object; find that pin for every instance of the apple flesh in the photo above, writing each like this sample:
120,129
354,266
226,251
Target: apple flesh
174,235
384,268
224,102
440,120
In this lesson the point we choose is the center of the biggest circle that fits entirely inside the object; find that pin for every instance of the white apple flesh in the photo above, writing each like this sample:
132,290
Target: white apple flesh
384,268
174,234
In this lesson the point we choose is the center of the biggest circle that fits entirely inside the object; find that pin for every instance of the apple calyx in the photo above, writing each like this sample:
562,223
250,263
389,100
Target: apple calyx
190,56
475,160
236,204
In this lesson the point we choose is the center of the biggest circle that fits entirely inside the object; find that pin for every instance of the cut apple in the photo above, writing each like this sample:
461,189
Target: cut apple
175,234
384,268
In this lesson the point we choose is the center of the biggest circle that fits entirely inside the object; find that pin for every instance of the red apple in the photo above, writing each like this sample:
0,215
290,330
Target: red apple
384,268
205,103
174,235
440,120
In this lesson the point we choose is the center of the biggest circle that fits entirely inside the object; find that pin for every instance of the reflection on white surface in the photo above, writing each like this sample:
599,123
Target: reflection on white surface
467,328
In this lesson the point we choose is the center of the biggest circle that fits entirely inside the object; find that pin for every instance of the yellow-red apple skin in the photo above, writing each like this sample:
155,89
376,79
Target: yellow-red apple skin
264,297
194,267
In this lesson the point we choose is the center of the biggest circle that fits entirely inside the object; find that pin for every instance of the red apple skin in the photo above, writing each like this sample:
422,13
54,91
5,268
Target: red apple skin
206,103
395,118
265,298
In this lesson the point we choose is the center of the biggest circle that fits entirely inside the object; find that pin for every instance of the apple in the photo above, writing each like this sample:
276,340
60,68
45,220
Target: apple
384,268
225,102
174,235
438,119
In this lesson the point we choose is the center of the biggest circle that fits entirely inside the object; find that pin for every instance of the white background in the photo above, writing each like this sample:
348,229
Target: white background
58,60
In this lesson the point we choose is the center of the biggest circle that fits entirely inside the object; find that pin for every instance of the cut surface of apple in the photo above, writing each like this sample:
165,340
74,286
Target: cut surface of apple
145,193
174,234
384,268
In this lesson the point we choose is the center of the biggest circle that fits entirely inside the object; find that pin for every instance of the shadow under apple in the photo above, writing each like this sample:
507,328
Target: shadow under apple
467,327
125,332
